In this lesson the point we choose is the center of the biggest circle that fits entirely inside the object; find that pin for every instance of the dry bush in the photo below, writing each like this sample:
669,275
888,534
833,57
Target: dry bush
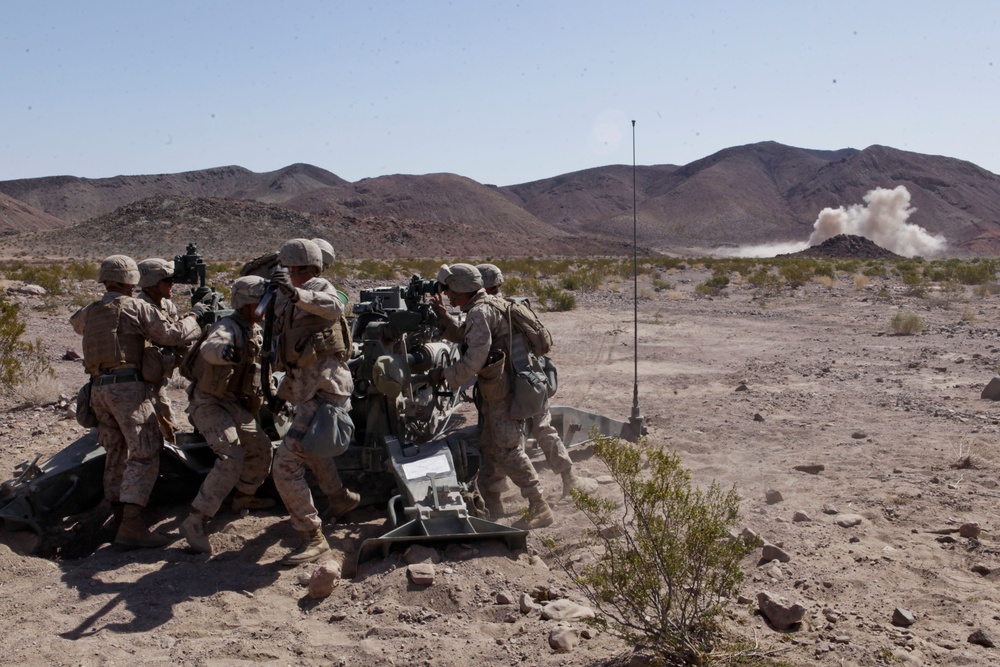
646,292
825,281
861,281
969,315
38,390
674,295
907,324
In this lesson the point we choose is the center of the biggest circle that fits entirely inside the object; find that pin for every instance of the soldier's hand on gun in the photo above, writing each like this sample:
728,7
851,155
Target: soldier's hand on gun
200,311
231,354
281,281
437,303
433,377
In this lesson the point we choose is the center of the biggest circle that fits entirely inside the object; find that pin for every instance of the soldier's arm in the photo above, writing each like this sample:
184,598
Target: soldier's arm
220,337
478,340
79,319
155,327
322,301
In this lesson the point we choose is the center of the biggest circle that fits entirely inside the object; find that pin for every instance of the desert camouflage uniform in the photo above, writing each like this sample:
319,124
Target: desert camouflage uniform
224,416
486,329
326,379
161,401
127,426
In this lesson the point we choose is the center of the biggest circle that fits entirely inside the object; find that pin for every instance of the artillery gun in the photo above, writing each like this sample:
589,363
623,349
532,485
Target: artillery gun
408,453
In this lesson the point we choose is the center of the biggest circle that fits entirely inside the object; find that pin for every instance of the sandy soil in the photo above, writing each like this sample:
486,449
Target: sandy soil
897,423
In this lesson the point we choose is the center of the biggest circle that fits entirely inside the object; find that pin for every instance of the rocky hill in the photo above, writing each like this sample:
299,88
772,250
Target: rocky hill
746,195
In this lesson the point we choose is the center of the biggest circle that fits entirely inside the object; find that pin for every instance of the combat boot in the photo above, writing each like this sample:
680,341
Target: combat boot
248,501
314,545
193,530
341,503
117,512
494,505
539,514
570,481
133,531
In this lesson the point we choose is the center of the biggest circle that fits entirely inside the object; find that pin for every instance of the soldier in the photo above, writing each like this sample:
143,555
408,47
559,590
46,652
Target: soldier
115,330
224,398
312,345
156,279
486,336
326,250
540,426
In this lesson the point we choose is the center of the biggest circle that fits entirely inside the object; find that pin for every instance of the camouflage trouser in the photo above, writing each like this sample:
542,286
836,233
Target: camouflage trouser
127,429
547,437
290,463
502,453
244,453
162,405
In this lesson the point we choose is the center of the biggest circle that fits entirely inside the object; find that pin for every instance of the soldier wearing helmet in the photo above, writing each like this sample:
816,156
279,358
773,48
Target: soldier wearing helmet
224,398
326,251
115,331
487,337
156,279
540,426
312,344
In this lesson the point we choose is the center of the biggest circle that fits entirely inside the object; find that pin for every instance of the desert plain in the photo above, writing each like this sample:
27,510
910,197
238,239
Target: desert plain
744,387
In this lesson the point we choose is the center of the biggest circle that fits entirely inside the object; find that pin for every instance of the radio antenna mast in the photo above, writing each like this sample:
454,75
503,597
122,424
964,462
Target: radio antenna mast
635,427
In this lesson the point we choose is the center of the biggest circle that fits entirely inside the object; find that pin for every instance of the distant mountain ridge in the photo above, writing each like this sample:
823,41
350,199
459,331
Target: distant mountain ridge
745,195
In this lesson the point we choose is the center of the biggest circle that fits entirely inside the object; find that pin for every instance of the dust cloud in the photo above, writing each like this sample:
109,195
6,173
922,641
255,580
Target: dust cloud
882,220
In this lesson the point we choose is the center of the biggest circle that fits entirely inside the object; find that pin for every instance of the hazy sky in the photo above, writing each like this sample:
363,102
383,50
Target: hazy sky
501,92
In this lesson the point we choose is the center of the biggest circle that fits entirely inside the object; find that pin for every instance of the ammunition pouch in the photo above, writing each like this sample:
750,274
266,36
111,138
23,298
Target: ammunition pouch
329,433
158,364
531,386
303,346
85,415
494,380
551,375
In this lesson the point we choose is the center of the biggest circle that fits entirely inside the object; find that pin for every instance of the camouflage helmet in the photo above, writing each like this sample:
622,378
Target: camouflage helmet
153,270
326,251
301,252
461,278
118,269
246,291
492,276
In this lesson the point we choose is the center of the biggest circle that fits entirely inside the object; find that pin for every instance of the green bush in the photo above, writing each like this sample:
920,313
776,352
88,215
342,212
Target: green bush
906,324
765,282
976,272
19,361
664,568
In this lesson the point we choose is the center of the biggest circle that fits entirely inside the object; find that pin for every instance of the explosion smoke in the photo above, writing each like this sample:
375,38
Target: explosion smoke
882,220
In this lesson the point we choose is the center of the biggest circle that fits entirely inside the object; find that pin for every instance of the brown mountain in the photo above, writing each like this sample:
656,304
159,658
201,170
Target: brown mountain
754,194
75,199
16,216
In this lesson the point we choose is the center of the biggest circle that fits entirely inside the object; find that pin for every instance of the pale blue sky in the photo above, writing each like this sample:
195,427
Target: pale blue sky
501,92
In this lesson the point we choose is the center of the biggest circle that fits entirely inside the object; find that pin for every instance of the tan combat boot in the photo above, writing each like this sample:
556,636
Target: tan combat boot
193,530
314,545
494,505
539,514
570,481
248,501
133,531
341,503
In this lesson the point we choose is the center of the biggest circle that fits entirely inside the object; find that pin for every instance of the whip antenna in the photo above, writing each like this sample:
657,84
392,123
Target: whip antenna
635,428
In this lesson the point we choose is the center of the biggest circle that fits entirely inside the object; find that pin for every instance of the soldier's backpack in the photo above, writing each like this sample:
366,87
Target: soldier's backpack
524,321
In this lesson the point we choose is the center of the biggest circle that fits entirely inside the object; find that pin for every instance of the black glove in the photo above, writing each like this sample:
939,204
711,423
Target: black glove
200,310
281,281
231,354
435,375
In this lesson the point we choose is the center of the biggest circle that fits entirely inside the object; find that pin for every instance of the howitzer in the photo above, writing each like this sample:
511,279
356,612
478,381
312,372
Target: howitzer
410,453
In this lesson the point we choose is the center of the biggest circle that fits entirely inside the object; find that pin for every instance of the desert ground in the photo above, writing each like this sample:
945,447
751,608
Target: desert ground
744,388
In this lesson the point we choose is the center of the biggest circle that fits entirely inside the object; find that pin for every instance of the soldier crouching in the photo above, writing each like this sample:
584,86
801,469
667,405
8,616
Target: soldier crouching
311,345
224,397
115,331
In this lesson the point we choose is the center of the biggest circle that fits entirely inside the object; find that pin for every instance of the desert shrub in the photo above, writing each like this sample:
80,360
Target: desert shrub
976,272
861,281
986,289
824,269
765,282
584,281
969,315
875,269
19,360
796,274
561,301
825,281
646,292
662,284
906,324
713,286
848,265
664,568
370,269
82,270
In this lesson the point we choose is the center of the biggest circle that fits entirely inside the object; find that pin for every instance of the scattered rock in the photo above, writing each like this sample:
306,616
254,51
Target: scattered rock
771,552
566,610
830,509
772,497
528,604
71,355
982,637
30,290
812,469
848,520
992,390
757,417
801,517
779,612
902,617
421,574
979,568
743,386
504,597
323,580
859,435
417,553
563,639
969,530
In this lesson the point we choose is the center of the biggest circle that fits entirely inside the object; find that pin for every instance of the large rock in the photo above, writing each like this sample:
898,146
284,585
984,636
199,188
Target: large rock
779,612
323,580
566,610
